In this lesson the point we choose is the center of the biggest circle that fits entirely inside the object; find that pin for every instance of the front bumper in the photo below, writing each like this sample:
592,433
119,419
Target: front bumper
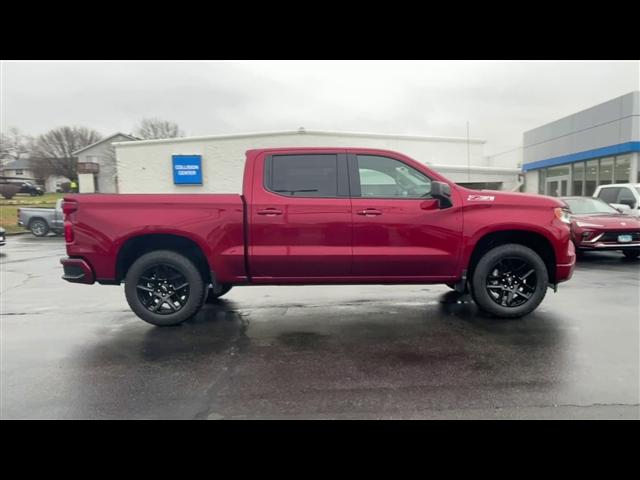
607,246
77,270
564,270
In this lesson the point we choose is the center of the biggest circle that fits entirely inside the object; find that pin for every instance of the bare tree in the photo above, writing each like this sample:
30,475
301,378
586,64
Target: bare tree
55,148
152,128
15,145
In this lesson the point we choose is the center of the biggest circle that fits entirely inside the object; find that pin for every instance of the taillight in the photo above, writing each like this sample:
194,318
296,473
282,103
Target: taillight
69,206
68,231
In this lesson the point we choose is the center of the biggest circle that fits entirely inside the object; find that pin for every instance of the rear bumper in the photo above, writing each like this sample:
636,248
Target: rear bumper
77,270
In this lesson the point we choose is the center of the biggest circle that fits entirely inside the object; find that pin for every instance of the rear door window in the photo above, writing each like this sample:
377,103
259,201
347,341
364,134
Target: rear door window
313,175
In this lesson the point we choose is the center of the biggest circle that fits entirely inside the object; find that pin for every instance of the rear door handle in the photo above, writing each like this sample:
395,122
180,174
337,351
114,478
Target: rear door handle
370,212
269,212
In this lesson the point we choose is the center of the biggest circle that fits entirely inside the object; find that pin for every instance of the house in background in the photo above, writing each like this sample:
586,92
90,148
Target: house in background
23,170
19,169
97,165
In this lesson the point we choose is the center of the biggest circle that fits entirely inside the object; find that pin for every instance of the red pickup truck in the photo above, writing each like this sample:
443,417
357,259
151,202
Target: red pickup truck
320,216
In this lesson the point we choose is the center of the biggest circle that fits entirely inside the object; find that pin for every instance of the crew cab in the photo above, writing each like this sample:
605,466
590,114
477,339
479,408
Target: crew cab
320,216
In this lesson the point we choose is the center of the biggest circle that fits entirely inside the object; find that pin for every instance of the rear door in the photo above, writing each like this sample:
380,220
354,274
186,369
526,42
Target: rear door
398,229
300,216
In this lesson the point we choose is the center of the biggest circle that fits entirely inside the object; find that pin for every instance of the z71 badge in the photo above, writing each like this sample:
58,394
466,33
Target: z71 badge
481,198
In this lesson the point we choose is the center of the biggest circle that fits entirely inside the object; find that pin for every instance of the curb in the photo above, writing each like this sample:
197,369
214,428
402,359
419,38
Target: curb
14,234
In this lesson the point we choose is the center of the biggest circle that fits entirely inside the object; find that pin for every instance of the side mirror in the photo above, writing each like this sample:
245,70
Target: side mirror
442,192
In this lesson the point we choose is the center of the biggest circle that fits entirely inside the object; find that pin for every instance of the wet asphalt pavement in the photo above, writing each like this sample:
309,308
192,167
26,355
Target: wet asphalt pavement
77,351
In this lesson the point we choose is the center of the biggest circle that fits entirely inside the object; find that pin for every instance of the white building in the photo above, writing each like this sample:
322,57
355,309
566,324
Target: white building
146,166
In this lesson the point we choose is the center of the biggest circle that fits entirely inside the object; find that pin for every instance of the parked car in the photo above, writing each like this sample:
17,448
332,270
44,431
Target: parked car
31,189
42,220
596,225
320,216
2,237
619,194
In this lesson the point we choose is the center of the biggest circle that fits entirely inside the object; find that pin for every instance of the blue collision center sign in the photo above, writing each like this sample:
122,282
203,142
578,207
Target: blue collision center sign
187,169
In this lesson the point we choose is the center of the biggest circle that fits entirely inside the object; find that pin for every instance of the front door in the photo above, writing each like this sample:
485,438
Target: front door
300,217
558,186
398,229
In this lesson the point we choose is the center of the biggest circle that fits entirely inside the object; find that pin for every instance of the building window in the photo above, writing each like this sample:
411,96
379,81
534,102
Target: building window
558,181
606,171
622,170
19,172
578,179
591,178
542,178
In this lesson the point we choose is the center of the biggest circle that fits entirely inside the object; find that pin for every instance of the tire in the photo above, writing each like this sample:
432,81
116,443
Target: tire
632,253
39,227
215,293
153,277
521,272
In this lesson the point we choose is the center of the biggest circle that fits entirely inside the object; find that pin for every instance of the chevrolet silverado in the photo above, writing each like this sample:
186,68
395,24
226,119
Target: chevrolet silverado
320,216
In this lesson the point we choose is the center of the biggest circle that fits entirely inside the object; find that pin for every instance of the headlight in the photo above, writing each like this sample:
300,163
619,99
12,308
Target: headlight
587,225
562,215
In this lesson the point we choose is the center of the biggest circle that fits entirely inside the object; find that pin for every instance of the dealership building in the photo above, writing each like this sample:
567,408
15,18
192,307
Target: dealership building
575,154
214,163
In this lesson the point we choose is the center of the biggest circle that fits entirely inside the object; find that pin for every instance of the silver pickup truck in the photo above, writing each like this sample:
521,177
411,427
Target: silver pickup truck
42,220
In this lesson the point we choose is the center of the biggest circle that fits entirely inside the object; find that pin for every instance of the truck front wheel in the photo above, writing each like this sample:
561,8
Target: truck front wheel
164,288
509,281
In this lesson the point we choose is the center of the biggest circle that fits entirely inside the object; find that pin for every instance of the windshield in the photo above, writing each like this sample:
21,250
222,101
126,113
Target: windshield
585,206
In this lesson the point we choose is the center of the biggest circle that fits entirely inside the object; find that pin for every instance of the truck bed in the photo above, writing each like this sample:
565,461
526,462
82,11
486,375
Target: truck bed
214,222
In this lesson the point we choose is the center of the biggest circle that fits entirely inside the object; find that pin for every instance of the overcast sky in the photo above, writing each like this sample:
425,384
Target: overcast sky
499,99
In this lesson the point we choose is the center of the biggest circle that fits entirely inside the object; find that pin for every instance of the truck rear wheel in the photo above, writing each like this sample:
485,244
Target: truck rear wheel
509,281
39,227
214,293
164,288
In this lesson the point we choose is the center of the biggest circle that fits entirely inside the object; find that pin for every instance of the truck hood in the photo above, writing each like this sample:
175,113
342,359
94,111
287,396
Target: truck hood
507,198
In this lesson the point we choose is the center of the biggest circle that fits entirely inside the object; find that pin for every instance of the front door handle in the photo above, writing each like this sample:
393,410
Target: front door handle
370,212
269,212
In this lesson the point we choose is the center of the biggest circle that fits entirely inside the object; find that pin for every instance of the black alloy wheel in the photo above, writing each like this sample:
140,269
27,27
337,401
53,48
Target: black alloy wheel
511,282
163,289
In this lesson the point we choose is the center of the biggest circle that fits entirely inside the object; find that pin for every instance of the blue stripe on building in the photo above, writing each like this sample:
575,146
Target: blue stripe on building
619,149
